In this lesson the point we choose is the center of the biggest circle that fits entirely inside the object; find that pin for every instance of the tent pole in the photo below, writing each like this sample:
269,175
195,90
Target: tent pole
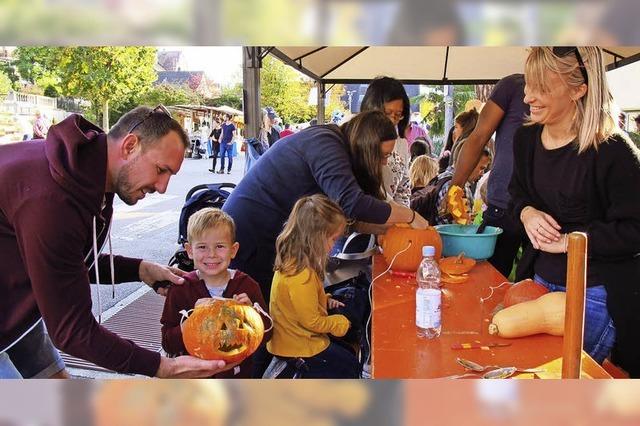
251,64
321,98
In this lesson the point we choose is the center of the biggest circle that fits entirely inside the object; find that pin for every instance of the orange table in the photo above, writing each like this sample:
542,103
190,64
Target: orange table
398,353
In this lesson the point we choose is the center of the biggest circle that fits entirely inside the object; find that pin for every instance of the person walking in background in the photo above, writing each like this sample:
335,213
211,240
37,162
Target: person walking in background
214,137
40,126
226,143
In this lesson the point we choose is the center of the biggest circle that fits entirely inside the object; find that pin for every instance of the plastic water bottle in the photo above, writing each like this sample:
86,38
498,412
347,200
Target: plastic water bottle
428,295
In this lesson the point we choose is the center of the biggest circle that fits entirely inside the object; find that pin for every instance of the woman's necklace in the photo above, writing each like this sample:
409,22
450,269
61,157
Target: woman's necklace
554,143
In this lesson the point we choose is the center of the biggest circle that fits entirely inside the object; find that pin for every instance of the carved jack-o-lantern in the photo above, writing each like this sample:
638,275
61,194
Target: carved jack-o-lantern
222,329
397,239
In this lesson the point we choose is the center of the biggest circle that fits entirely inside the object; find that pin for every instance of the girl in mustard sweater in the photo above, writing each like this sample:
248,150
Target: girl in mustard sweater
301,325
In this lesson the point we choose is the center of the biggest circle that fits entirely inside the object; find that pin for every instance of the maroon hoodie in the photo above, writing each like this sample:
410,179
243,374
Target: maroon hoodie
50,193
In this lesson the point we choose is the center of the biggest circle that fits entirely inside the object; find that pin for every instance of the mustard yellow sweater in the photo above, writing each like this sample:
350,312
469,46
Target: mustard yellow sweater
299,311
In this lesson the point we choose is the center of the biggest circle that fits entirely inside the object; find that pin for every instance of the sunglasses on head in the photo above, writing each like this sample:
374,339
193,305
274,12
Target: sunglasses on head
562,51
160,108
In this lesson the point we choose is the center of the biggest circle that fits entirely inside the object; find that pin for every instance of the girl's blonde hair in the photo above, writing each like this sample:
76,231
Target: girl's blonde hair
422,170
593,122
302,243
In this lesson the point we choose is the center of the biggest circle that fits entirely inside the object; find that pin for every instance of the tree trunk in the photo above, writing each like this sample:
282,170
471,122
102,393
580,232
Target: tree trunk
105,116
448,108
483,91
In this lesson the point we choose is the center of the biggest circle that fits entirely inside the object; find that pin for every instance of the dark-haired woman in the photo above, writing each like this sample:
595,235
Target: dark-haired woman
345,163
387,94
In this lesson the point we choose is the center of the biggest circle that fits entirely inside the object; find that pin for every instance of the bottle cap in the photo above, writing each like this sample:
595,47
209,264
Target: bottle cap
428,251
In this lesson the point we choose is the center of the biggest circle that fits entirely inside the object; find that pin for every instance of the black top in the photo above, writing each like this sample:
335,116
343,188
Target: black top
560,179
595,192
592,192
215,135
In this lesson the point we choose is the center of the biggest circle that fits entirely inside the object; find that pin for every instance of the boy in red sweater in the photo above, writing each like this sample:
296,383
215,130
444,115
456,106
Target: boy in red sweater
212,244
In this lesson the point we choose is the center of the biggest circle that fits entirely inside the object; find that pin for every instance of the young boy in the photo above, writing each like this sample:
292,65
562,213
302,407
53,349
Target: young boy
212,244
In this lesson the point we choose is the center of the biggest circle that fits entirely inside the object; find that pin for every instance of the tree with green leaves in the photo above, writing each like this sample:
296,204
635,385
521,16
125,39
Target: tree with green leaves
231,96
5,85
286,91
106,76
167,94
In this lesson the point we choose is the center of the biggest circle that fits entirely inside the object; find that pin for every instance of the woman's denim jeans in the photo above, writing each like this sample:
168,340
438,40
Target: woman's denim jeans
599,332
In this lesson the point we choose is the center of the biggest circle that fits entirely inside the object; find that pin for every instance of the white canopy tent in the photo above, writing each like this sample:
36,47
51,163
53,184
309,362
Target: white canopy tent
420,64
409,64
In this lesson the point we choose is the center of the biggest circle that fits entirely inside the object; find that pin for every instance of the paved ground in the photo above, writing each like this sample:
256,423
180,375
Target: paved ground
149,229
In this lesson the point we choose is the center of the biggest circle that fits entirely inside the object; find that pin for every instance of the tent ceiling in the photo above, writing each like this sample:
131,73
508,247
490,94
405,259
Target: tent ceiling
419,64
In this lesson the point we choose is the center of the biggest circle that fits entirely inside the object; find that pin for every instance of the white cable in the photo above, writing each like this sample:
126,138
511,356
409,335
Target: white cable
482,299
95,268
366,330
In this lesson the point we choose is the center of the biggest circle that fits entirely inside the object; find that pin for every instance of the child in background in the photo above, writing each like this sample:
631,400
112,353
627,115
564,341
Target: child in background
211,235
298,302
422,170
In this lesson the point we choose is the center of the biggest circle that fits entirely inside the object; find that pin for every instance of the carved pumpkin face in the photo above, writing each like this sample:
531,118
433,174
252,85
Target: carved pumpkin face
397,238
222,329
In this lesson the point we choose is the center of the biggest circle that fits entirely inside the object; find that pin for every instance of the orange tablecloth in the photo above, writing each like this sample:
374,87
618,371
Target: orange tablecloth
399,353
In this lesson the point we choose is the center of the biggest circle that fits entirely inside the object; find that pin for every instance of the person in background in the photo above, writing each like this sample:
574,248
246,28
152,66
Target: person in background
464,124
40,126
214,138
422,170
269,120
287,131
420,199
419,147
226,143
573,171
387,94
503,114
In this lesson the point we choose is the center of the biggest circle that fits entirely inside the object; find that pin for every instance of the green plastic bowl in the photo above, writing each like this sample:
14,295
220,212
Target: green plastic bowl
463,238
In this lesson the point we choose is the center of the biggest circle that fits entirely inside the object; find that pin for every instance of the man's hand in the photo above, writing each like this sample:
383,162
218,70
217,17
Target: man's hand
151,273
189,367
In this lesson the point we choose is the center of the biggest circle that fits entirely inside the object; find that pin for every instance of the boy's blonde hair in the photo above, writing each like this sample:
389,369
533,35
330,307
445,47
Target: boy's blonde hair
208,218
302,243
594,120
422,170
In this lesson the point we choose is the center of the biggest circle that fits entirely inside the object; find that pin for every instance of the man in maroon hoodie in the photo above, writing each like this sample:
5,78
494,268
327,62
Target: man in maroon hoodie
56,202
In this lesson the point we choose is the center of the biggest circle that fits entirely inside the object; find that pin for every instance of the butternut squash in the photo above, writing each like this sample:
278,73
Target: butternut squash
542,315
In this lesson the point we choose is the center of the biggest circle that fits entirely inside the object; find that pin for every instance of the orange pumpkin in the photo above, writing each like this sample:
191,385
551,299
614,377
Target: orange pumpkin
222,329
397,239
457,265
523,291
453,279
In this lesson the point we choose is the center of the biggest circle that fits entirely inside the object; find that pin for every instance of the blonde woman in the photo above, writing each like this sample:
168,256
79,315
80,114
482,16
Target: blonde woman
301,325
573,171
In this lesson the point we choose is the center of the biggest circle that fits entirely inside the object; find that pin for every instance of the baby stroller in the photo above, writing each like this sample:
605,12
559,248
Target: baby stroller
198,197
